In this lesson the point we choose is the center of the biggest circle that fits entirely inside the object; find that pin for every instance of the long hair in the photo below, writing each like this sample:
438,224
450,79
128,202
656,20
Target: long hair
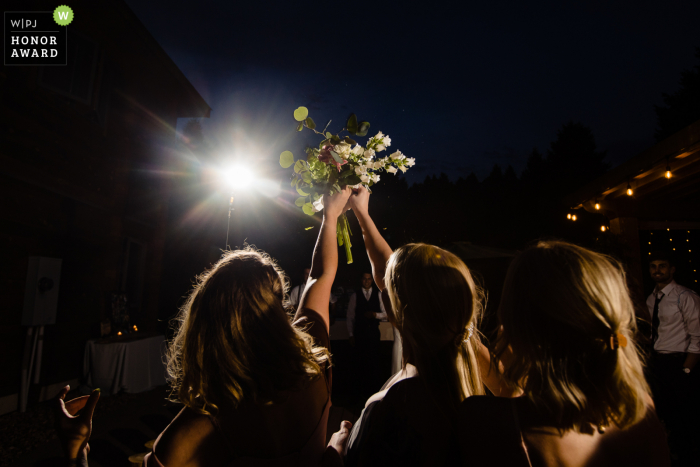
235,342
561,306
436,306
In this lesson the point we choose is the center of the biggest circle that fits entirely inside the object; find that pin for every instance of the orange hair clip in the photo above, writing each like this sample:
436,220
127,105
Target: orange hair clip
618,340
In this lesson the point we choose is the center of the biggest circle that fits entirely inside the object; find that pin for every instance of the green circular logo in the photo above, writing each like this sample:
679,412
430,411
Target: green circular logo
63,15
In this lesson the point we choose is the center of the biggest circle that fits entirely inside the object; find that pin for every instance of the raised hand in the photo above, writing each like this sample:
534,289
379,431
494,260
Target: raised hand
74,430
359,200
334,206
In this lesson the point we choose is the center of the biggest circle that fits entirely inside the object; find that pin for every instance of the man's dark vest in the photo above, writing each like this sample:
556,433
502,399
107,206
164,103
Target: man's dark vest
366,328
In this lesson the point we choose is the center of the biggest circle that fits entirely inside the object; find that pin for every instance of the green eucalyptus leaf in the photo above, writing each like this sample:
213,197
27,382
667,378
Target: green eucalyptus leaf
310,123
336,157
300,166
300,201
308,209
335,140
323,143
316,196
306,176
349,140
362,128
351,124
302,190
300,126
328,134
286,159
300,114
352,180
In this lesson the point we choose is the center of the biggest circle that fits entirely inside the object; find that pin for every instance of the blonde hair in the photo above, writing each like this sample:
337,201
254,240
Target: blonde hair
560,306
235,341
436,306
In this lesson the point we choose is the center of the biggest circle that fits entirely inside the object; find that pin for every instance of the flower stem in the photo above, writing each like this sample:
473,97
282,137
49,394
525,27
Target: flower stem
344,236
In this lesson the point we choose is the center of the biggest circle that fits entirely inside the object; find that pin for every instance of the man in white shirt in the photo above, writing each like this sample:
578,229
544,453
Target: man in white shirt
675,322
365,310
372,316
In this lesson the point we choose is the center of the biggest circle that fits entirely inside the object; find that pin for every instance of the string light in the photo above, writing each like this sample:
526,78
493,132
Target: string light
573,218
597,205
568,216
629,189
603,228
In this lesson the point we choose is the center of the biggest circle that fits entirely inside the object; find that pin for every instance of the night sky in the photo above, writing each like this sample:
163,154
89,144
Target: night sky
458,86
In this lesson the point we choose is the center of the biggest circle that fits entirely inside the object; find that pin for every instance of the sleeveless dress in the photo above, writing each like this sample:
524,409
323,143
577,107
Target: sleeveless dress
310,454
402,425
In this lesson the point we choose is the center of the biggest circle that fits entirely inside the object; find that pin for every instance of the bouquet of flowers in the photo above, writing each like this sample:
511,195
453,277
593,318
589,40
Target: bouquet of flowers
338,162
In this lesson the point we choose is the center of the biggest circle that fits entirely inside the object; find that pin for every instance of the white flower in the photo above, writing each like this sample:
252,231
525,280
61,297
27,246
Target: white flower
357,150
379,136
369,153
410,161
359,170
397,156
380,147
378,165
387,141
318,204
364,178
374,177
343,149
391,169
402,168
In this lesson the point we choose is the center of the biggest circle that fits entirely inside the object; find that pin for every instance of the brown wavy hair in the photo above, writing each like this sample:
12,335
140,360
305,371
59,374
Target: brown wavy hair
561,304
234,340
436,306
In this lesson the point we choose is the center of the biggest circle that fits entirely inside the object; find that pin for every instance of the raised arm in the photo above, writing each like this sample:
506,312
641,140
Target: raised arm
378,249
325,259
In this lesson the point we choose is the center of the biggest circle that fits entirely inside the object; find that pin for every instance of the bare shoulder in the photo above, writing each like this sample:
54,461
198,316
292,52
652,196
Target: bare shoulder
645,439
190,440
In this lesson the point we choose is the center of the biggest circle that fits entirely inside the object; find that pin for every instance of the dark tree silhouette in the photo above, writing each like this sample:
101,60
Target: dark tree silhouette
573,158
682,107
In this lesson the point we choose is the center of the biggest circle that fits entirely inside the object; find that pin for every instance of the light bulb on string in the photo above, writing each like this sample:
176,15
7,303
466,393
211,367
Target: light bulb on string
568,216
597,205
603,228
668,170
573,218
629,190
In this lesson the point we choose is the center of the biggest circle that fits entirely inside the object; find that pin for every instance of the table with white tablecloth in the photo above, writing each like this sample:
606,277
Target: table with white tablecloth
130,365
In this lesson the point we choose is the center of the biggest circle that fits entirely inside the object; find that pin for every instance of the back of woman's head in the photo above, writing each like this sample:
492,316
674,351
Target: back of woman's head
436,308
569,321
235,341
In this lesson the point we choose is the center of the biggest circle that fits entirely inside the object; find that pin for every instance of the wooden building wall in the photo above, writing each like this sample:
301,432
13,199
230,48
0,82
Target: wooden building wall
81,180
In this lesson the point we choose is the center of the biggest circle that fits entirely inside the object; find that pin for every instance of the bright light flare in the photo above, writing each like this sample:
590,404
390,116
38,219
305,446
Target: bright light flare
238,177
668,174
597,206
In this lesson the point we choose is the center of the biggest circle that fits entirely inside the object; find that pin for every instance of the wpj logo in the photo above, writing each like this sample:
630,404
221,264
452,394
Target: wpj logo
37,37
